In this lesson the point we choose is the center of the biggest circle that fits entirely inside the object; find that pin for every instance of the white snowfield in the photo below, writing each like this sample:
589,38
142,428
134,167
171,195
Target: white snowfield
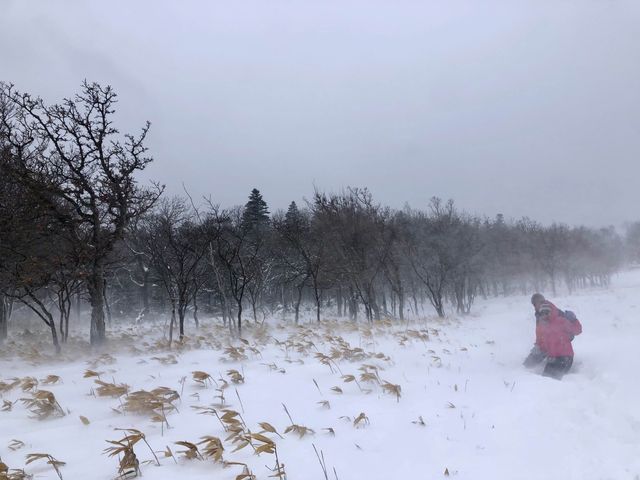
467,408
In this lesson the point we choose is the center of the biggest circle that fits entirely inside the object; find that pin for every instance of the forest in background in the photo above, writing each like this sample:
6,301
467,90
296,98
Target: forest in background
80,236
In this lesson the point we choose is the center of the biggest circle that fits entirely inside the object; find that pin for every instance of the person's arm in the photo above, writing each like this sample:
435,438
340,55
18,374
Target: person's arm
573,325
536,355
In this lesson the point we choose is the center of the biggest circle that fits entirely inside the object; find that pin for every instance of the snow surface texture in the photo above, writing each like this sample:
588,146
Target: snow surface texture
485,416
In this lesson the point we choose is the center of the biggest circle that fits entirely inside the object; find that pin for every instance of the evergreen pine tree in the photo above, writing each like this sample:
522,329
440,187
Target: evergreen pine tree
256,212
294,220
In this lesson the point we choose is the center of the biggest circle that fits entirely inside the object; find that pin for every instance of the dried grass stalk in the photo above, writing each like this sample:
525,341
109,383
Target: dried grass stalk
43,404
112,390
56,464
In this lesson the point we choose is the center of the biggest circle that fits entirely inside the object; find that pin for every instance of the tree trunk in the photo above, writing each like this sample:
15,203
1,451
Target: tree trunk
62,325
318,305
66,325
401,303
375,308
144,290
4,318
78,306
298,301
106,302
96,298
253,307
240,318
384,303
353,305
225,315
181,312
195,311
54,333
173,320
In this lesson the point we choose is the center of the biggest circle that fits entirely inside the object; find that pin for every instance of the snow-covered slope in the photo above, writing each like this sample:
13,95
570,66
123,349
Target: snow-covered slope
467,408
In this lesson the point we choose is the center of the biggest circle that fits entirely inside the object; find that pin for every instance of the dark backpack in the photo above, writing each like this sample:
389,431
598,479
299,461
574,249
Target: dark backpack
569,315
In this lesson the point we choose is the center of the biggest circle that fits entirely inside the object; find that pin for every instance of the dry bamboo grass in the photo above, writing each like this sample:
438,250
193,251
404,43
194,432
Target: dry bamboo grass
104,359
246,471
191,453
6,387
128,465
235,376
234,354
112,390
235,427
43,405
300,430
420,421
15,445
361,420
202,378
14,474
212,448
156,403
56,464
51,380
92,373
166,360
266,445
28,384
392,389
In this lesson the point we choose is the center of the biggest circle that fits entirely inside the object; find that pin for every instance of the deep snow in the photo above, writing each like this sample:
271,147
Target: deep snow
485,416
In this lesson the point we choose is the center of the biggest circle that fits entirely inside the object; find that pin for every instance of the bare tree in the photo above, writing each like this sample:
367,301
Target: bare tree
91,186
173,242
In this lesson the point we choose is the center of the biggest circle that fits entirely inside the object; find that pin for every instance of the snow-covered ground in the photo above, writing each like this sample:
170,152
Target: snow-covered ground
467,408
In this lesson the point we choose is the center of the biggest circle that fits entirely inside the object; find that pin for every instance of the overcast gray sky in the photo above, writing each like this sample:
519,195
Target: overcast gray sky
519,107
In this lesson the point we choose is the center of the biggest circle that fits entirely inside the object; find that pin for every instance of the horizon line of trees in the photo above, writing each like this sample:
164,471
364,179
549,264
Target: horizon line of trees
76,228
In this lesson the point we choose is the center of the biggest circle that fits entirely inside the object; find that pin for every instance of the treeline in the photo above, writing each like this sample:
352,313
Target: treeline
76,228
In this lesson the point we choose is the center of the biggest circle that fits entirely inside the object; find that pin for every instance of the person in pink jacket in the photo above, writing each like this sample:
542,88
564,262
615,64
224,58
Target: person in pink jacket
555,330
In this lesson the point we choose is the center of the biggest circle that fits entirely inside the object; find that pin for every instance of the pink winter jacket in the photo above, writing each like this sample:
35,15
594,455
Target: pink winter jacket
554,332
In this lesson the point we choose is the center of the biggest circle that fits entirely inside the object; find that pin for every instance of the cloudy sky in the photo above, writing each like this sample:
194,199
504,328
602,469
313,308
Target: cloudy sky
520,107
